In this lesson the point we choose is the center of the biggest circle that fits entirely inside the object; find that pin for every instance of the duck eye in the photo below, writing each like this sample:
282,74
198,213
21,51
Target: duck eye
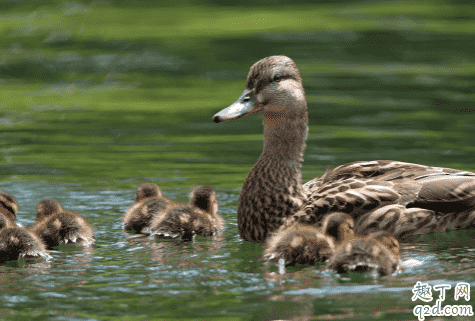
277,77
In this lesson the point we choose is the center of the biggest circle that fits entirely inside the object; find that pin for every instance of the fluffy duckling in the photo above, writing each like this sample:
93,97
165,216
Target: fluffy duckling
6,222
18,242
303,243
8,205
149,202
299,243
56,226
378,252
199,217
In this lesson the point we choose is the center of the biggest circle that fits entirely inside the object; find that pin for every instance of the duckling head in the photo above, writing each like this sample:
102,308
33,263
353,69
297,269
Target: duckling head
46,208
388,240
6,222
8,205
274,88
204,197
339,226
147,190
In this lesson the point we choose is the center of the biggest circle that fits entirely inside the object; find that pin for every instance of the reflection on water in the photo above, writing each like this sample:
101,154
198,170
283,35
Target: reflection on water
100,107
206,269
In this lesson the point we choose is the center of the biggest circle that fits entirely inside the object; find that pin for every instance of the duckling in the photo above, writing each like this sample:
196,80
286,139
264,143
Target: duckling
299,243
6,222
339,226
8,205
199,217
273,190
378,251
56,226
365,255
303,243
18,242
149,202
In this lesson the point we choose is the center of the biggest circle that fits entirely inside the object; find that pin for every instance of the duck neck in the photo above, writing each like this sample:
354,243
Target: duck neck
273,188
284,141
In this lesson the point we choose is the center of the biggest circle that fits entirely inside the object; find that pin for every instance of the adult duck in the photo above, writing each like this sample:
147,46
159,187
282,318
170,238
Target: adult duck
273,190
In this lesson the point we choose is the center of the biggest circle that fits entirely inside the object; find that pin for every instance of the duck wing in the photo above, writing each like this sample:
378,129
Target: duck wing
361,187
357,196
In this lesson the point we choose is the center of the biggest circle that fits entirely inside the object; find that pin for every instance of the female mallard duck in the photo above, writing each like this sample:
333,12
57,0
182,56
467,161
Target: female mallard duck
149,202
199,217
56,226
273,190
18,242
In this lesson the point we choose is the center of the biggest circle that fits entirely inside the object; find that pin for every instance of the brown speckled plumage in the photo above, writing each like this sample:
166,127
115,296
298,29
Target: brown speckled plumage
272,193
8,205
336,242
198,217
55,225
300,243
19,242
149,202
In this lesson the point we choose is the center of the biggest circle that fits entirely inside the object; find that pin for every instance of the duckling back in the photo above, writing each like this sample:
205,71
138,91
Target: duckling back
363,254
149,202
199,217
56,226
18,242
378,251
298,243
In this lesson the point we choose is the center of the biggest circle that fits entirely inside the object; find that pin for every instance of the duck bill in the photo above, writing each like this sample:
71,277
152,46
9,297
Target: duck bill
244,106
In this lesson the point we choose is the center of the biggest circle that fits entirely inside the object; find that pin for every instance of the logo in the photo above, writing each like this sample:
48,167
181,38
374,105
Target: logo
423,292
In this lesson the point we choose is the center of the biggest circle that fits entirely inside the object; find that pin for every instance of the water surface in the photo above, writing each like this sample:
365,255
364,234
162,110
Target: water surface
94,108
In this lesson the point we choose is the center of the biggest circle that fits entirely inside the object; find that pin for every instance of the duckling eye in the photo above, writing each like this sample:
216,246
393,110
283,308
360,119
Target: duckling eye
277,77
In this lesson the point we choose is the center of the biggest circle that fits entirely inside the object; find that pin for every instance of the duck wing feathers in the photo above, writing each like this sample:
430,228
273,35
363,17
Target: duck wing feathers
360,187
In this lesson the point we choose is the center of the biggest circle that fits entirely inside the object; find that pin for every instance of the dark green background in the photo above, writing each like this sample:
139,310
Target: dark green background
98,97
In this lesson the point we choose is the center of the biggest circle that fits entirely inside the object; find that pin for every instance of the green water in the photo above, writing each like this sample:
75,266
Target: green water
98,97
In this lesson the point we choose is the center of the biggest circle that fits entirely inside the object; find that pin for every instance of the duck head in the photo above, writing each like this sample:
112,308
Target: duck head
274,88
